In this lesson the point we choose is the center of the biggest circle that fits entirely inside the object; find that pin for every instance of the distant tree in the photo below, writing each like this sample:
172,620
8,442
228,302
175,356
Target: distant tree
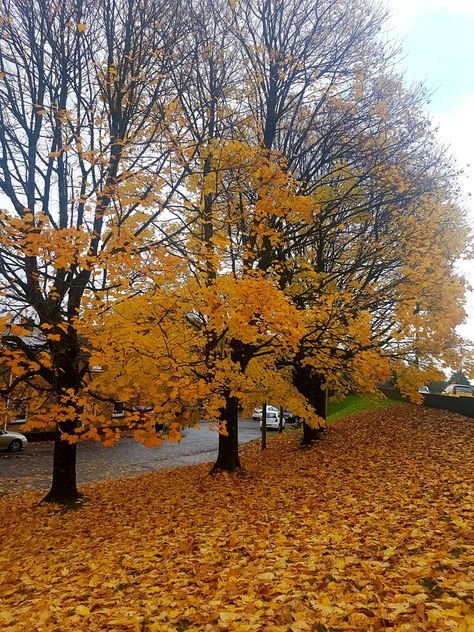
458,377
437,386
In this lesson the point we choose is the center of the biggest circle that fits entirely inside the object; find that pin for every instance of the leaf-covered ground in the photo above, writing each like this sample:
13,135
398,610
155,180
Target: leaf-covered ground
371,529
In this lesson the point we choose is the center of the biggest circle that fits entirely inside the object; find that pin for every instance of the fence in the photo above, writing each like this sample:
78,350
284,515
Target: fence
462,405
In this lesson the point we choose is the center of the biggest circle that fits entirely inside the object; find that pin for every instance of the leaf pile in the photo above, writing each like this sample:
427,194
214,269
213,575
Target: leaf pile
371,529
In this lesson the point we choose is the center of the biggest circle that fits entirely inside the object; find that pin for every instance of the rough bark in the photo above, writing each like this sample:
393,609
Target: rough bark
310,385
64,487
228,454
66,356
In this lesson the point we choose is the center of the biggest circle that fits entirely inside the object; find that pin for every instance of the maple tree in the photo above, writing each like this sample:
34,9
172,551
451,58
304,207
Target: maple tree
384,207
289,546
83,96
233,183
207,335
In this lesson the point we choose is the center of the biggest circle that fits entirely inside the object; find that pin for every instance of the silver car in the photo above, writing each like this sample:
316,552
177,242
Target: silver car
12,441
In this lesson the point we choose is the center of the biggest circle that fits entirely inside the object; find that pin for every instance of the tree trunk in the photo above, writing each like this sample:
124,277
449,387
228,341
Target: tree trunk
63,488
228,454
309,384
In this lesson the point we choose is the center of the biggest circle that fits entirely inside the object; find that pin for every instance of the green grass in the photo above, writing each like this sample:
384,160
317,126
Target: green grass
357,404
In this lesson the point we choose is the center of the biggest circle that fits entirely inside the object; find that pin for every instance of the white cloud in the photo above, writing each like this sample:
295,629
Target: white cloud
457,129
405,12
456,124
458,6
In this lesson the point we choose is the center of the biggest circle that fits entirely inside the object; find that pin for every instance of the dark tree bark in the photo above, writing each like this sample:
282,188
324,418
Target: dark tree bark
310,385
64,486
67,358
228,455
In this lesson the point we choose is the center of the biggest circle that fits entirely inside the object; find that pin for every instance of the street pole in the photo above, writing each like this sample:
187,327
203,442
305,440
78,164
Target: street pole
264,425
280,421
7,407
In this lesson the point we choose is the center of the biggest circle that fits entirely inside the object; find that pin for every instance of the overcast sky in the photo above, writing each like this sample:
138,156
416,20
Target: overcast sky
438,41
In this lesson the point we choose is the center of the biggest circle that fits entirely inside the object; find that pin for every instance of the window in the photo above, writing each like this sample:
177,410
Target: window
20,414
118,410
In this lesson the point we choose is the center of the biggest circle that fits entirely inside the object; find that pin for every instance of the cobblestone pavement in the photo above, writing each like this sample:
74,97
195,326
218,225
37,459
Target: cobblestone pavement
31,468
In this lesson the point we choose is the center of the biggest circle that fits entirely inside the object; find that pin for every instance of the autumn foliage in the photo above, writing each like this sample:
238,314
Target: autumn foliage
215,203
369,530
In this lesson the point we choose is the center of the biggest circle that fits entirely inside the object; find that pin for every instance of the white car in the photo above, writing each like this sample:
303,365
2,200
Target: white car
12,441
273,420
257,413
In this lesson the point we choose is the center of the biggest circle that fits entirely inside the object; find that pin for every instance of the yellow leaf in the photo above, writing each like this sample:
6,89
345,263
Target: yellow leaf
228,617
455,614
82,611
358,620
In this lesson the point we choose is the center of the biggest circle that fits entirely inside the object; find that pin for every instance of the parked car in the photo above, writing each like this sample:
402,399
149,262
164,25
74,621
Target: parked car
287,415
257,413
459,390
424,389
273,420
12,441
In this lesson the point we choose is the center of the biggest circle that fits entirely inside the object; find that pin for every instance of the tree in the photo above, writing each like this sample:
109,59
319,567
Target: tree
356,141
325,94
84,97
458,377
201,335
225,216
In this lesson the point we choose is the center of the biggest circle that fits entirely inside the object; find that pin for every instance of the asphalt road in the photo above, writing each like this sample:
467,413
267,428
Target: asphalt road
31,468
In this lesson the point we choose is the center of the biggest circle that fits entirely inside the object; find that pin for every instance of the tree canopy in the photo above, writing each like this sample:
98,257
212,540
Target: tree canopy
215,202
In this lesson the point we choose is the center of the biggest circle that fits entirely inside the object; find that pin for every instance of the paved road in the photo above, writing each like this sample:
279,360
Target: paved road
31,468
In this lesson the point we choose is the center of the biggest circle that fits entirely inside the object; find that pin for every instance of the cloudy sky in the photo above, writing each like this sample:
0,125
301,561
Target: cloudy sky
438,41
